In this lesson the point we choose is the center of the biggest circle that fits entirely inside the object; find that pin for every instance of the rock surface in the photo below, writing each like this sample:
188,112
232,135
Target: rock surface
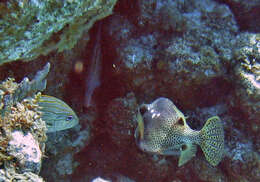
23,132
33,28
26,150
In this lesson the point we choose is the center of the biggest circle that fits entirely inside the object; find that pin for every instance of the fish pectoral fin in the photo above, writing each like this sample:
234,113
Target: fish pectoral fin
170,152
188,151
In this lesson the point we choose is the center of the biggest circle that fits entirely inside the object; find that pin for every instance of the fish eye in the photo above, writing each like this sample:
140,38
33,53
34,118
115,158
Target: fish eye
49,124
183,147
180,122
69,118
143,109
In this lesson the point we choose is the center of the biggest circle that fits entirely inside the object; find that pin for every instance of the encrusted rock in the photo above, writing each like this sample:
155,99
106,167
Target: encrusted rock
185,47
25,149
12,92
32,28
61,149
121,119
23,132
11,175
205,172
247,76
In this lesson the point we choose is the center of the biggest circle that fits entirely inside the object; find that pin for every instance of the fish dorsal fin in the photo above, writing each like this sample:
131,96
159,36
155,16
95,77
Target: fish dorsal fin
187,152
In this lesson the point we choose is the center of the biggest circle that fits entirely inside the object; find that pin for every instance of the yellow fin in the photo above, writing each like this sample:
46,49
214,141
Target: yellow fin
140,125
188,151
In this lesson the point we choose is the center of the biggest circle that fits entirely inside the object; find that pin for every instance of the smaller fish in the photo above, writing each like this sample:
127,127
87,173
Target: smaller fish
56,113
162,129
93,78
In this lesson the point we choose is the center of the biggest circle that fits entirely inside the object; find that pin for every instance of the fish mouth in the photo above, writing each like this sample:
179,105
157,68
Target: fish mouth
141,139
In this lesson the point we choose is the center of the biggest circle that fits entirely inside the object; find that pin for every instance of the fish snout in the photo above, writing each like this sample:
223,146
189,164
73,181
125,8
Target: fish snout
139,131
143,109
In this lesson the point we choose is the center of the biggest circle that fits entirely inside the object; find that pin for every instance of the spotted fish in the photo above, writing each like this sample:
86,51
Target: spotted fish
162,129
56,113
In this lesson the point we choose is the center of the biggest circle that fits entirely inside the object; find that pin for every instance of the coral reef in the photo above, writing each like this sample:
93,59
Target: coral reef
11,175
33,28
22,135
192,52
191,59
247,73
12,92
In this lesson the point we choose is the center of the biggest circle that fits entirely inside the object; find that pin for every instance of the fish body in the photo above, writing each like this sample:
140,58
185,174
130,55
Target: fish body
162,129
93,77
56,113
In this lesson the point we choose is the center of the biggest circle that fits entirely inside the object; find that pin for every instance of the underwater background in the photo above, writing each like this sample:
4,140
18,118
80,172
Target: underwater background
104,58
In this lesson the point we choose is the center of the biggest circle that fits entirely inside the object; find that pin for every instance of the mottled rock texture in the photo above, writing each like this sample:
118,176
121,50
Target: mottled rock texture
176,49
247,75
61,148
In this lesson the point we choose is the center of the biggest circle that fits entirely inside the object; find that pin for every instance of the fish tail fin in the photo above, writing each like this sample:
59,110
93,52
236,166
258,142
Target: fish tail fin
212,140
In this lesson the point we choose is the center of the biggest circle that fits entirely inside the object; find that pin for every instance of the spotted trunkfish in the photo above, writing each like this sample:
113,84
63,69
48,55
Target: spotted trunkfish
162,129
